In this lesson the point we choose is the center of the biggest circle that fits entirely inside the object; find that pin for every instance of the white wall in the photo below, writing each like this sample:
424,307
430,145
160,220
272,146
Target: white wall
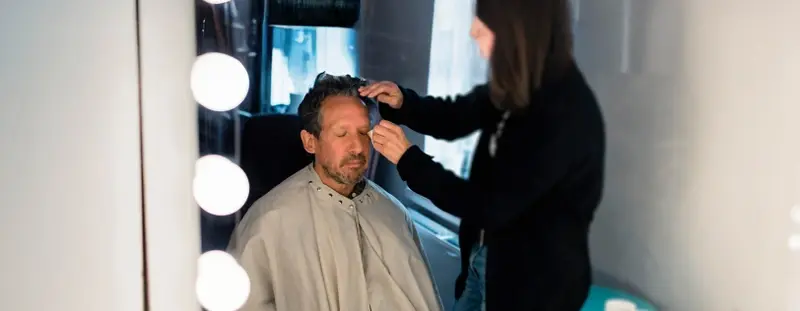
71,160
70,221
702,102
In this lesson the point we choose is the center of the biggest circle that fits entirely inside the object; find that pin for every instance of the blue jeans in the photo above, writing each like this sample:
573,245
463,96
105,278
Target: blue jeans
474,296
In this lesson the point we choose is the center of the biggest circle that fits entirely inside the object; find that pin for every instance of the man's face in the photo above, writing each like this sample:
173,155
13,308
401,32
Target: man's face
342,148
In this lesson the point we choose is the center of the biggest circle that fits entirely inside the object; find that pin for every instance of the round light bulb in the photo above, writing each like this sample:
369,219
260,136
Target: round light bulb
617,304
795,214
220,186
222,284
219,82
216,1
794,243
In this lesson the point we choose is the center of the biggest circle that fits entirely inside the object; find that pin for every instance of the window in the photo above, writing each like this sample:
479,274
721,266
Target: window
299,54
455,67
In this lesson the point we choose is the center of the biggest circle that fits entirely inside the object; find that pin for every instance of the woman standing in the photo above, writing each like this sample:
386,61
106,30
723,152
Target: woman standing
537,175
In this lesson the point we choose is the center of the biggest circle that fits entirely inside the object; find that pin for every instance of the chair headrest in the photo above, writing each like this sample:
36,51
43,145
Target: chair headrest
271,152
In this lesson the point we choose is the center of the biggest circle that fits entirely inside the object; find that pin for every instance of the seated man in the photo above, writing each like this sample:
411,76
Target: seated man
326,239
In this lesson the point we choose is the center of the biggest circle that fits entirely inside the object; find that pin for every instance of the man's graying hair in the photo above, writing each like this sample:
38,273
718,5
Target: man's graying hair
325,85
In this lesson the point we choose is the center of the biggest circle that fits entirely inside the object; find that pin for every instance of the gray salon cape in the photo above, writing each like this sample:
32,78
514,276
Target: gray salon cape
308,248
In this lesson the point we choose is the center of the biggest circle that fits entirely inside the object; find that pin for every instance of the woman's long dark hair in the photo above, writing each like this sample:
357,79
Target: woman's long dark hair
533,46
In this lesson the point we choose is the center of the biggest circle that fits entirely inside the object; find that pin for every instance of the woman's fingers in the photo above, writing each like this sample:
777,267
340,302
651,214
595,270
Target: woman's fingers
389,99
389,148
379,139
385,131
385,92
380,143
390,130
392,127
375,89
389,140
366,90
378,89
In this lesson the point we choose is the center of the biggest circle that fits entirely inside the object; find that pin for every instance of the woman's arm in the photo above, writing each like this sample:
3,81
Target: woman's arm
443,118
522,175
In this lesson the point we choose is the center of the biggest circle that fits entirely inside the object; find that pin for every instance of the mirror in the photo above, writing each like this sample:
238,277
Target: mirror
281,54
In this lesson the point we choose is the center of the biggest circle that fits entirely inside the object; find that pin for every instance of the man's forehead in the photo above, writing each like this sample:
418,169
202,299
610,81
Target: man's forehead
343,107
338,100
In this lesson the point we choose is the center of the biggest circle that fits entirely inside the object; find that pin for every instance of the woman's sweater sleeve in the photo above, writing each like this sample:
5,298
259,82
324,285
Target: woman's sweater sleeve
523,172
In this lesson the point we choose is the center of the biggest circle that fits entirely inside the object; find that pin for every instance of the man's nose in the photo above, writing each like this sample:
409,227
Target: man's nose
358,144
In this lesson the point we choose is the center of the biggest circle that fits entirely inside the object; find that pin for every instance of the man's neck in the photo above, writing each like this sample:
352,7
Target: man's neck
343,189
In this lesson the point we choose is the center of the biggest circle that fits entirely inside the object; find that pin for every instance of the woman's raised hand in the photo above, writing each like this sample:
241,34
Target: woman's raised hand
389,140
385,92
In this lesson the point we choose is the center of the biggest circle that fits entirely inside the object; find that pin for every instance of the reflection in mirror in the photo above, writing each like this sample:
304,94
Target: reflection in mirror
298,55
279,76
250,68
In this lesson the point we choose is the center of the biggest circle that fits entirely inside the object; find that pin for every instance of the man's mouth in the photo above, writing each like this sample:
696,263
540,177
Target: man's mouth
354,164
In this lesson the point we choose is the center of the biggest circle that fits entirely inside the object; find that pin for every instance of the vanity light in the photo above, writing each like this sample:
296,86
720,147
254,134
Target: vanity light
794,242
618,304
795,214
220,186
222,284
217,1
219,82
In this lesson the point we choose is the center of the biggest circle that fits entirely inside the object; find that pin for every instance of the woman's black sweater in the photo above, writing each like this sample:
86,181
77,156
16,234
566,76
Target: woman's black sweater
535,199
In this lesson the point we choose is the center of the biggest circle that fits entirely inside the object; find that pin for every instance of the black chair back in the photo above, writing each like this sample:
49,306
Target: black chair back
271,152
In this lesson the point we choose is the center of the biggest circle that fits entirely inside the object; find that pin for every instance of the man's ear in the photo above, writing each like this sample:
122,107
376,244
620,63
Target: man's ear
309,141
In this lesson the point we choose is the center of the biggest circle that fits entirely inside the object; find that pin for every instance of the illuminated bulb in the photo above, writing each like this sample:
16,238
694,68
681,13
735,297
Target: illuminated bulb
796,214
222,284
220,186
216,1
619,305
794,242
219,82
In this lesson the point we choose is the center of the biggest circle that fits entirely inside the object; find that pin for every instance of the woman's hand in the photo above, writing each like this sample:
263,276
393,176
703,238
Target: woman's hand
389,140
385,92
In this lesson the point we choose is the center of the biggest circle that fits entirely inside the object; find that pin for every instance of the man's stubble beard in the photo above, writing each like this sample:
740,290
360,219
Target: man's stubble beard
341,178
